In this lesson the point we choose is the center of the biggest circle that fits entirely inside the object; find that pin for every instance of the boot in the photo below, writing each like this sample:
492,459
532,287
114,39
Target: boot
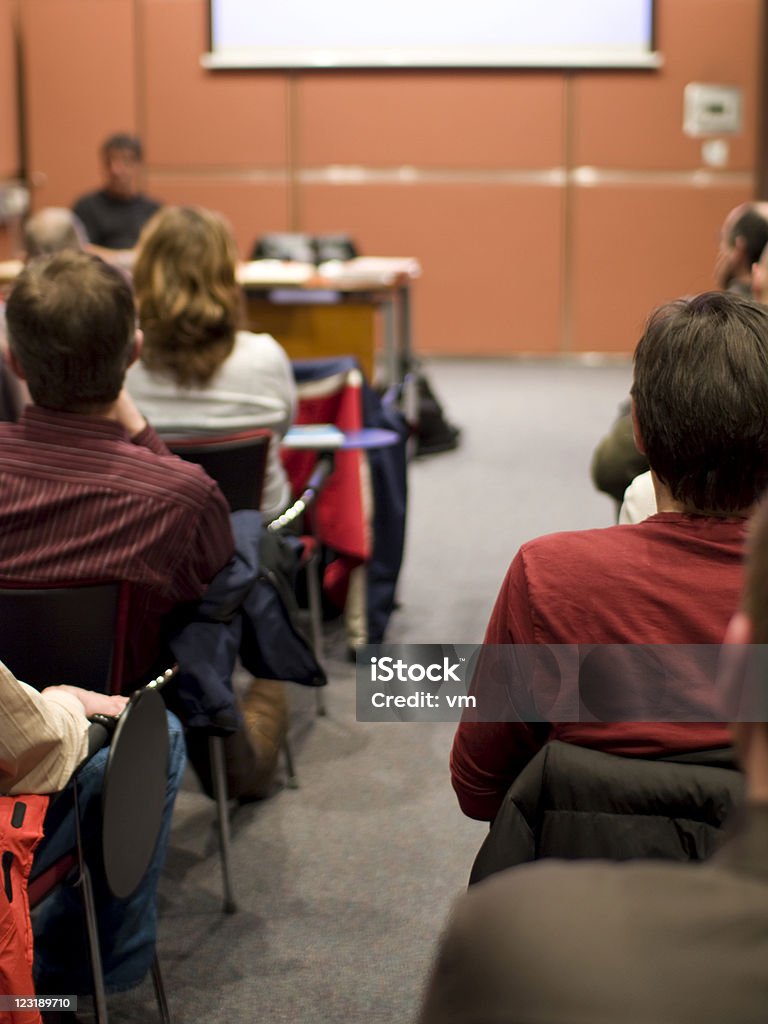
250,754
265,710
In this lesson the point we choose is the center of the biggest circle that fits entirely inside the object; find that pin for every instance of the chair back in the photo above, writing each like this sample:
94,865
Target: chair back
237,462
65,634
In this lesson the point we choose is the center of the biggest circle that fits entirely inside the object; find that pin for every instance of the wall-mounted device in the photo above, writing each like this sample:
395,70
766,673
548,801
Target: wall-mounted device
712,109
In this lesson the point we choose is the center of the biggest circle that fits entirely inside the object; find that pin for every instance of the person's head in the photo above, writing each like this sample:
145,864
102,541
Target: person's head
53,229
700,401
121,156
187,294
760,278
71,331
743,237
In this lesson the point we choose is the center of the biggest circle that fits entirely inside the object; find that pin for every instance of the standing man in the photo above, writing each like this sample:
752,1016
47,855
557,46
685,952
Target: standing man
115,214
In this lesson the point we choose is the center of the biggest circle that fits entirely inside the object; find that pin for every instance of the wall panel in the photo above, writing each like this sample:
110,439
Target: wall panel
635,247
250,207
198,118
459,119
10,158
489,285
635,120
80,86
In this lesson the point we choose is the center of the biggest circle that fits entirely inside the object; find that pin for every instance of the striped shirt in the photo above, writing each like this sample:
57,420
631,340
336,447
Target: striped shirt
79,500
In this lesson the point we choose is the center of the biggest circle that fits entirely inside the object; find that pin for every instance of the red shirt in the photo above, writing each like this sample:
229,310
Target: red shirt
80,500
672,579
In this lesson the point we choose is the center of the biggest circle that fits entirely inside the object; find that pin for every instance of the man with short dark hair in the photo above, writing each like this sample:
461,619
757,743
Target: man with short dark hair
115,214
87,489
700,407
650,943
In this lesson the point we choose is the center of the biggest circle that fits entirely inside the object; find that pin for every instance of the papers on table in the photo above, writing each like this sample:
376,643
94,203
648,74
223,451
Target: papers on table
315,436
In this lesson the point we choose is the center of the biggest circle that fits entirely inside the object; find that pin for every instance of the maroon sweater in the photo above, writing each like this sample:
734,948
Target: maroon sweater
81,501
672,579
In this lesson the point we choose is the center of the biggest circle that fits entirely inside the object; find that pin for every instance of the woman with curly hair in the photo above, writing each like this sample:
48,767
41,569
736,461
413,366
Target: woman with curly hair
199,372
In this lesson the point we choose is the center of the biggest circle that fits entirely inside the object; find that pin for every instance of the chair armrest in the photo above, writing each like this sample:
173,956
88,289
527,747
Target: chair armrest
323,469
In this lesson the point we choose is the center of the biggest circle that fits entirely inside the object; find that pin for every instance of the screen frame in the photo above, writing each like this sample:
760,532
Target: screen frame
406,58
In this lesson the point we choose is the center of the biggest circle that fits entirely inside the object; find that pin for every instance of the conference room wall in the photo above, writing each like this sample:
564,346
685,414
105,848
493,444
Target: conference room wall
9,135
479,174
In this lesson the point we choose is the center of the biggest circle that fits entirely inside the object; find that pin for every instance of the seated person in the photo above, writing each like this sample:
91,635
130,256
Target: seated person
114,215
53,229
88,491
699,398
639,500
616,461
743,237
43,741
640,943
198,372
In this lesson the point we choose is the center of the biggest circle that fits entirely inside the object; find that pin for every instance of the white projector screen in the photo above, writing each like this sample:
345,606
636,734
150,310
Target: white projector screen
431,33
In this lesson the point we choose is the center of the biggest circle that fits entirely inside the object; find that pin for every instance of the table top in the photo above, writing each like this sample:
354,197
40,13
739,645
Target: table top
326,437
364,273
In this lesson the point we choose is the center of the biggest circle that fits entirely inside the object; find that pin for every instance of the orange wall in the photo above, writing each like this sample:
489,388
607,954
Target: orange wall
477,173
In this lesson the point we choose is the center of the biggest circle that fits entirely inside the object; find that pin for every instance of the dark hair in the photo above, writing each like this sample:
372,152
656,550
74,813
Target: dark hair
701,400
122,140
71,325
754,230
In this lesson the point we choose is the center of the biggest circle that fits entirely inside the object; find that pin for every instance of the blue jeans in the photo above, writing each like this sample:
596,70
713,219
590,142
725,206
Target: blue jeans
127,927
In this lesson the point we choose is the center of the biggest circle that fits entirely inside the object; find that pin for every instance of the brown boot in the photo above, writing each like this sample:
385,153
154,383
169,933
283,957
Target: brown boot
265,711
250,754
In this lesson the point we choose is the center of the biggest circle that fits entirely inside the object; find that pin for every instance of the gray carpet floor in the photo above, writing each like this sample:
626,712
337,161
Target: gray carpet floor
344,884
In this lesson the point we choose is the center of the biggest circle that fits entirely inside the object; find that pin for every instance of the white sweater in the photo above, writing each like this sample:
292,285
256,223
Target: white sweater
253,387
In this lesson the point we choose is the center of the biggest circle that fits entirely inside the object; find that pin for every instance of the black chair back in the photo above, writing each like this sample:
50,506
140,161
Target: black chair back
237,462
64,634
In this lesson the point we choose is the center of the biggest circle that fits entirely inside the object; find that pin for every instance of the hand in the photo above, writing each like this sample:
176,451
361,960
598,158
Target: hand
95,703
126,412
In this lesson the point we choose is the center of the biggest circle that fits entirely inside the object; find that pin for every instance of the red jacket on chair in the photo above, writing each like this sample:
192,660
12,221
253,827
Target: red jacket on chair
21,829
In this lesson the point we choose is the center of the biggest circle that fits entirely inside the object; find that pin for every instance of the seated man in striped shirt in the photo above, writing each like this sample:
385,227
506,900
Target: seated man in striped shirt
88,491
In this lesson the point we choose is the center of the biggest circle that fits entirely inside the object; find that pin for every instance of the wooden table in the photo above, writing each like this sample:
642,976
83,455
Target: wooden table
336,309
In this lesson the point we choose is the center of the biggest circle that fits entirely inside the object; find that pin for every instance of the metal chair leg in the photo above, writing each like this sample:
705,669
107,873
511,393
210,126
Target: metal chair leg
292,781
157,981
99,995
219,780
315,602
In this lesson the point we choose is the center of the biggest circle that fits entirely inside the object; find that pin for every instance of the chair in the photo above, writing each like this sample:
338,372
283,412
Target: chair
237,462
135,777
85,628
311,554
572,802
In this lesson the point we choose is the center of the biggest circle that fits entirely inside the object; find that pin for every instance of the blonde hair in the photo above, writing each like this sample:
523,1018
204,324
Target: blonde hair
188,299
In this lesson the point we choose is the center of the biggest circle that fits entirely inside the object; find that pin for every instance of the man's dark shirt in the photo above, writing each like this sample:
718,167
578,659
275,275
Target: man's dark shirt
112,222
